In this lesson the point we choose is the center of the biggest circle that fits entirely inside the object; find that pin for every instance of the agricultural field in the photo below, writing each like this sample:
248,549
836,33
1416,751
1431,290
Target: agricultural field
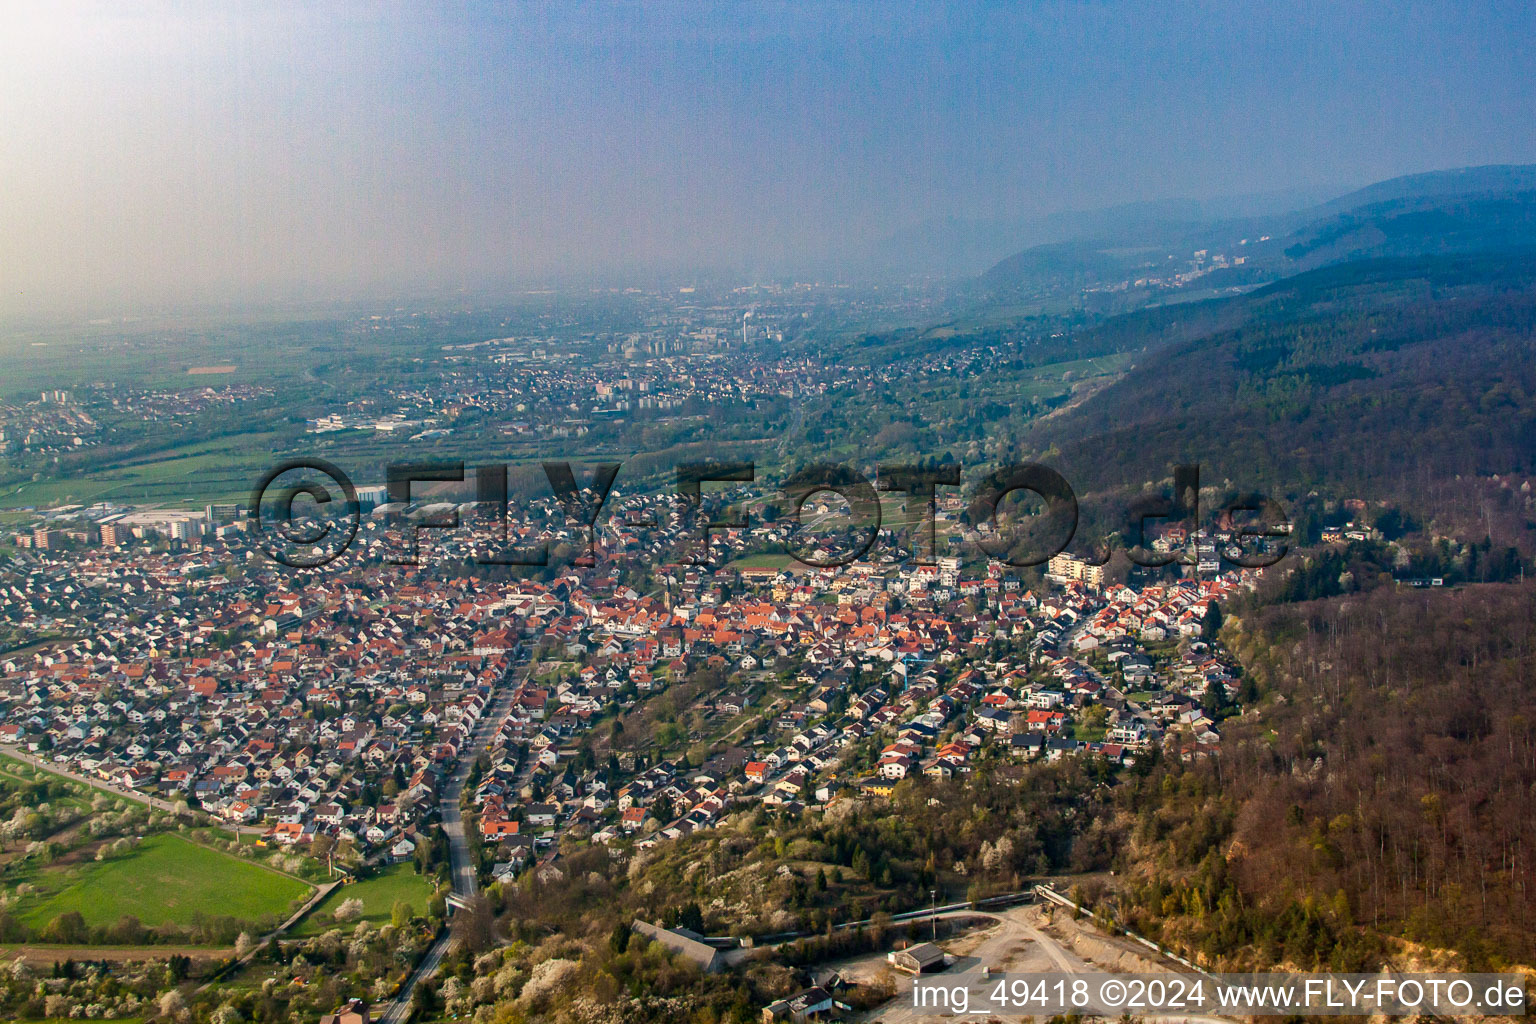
197,472
163,880
379,894
767,560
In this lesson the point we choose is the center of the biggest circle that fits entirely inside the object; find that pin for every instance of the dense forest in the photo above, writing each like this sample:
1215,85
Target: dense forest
1382,792
1409,381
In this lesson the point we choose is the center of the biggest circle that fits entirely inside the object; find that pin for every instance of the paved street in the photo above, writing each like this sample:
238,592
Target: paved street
460,858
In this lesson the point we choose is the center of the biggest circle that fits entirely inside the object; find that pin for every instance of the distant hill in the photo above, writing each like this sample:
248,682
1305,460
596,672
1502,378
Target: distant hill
967,246
1415,226
1461,181
1468,210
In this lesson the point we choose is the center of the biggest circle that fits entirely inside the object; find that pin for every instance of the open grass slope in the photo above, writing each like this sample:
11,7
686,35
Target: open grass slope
379,894
165,879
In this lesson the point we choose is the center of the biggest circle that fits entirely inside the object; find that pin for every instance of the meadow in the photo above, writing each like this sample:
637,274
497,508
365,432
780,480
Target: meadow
163,880
379,894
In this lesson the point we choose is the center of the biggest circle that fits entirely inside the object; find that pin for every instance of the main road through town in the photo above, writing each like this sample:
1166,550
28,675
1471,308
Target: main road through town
460,860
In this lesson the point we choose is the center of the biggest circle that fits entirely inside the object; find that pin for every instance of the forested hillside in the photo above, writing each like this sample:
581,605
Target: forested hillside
1387,379
1383,788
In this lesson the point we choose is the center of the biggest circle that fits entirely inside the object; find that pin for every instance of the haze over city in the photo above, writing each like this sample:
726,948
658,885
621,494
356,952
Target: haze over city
180,155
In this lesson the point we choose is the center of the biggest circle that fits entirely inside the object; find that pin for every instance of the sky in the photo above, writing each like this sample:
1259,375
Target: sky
159,154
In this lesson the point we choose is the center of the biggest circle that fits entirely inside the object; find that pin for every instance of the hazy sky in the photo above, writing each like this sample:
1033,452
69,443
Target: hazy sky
157,153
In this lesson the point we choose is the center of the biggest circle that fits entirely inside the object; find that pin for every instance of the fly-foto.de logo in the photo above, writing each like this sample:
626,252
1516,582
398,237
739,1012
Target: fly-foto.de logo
1256,525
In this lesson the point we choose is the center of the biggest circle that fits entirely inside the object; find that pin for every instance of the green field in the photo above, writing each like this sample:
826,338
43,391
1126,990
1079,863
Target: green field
379,895
163,879
764,561
193,473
